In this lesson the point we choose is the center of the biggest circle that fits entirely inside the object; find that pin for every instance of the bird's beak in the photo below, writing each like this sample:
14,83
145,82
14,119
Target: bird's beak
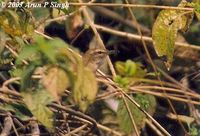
112,52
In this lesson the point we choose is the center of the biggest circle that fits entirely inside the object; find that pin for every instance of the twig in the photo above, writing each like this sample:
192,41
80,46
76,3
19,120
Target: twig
120,90
13,125
76,113
182,118
133,101
100,41
129,5
5,90
166,96
11,80
110,131
15,53
42,34
76,130
191,107
151,125
138,37
150,59
85,118
173,80
7,126
14,79
168,89
111,14
147,114
18,123
62,18
35,131
9,100
131,116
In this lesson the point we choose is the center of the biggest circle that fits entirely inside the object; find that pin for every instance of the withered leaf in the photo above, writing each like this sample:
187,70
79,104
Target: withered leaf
55,82
165,30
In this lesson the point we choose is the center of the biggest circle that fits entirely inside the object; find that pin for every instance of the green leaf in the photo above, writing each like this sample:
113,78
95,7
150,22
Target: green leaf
123,82
48,51
26,81
16,72
130,68
165,29
27,53
19,110
124,118
194,131
147,102
50,48
120,67
37,102
85,87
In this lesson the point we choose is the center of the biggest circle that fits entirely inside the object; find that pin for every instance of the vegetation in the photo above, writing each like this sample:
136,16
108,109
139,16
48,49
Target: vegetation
100,67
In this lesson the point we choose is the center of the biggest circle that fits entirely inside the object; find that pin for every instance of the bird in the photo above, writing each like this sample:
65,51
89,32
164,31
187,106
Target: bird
94,58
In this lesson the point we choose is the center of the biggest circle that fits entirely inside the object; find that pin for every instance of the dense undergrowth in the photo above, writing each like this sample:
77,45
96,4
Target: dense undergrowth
100,68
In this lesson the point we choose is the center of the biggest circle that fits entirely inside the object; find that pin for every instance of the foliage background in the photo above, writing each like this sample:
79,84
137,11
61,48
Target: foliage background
87,71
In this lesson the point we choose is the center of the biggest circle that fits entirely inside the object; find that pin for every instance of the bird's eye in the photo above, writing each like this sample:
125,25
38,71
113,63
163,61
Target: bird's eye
100,52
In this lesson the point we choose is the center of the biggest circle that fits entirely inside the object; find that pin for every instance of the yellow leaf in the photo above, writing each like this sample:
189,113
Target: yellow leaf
9,21
165,30
85,87
55,82
197,15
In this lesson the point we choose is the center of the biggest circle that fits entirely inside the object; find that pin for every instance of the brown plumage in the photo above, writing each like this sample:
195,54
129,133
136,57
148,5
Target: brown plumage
94,58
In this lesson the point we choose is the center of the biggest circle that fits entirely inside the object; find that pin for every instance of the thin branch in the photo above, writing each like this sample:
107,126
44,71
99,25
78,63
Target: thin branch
183,118
76,113
138,37
174,81
151,125
130,6
110,131
15,53
13,125
149,58
64,17
7,91
195,95
147,114
42,34
120,90
7,126
76,130
35,131
131,116
11,80
100,41
113,15
14,79
166,96
134,102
